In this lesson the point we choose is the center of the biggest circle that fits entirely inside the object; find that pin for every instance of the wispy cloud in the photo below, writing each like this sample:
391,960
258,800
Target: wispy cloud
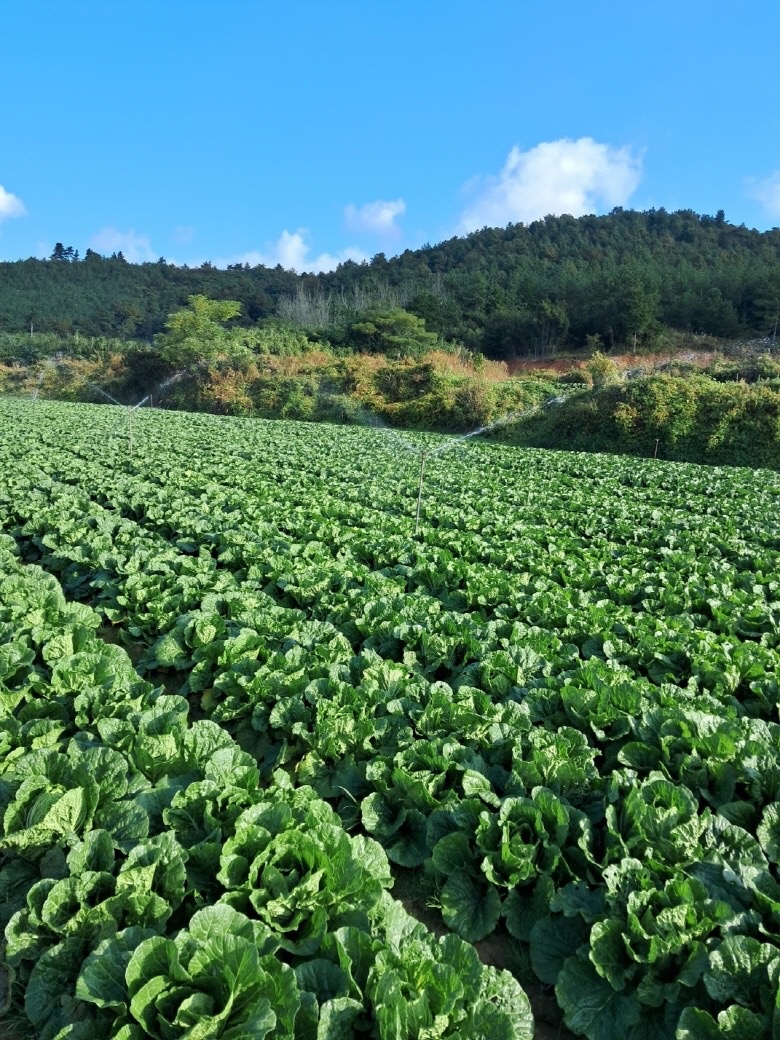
135,248
562,176
183,234
378,218
10,205
292,251
766,190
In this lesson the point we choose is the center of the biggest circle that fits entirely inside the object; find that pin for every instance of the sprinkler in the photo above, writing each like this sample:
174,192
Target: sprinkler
450,445
130,408
37,388
423,457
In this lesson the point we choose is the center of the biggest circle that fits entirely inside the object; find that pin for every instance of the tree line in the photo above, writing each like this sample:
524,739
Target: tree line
562,283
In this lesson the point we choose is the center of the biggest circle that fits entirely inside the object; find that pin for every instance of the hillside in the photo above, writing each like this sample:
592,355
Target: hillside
558,283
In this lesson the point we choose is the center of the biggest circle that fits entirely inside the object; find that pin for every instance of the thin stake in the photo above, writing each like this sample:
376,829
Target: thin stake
423,456
655,453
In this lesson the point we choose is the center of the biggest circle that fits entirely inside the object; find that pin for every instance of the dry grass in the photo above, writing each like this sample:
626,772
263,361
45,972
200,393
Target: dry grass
461,364
294,364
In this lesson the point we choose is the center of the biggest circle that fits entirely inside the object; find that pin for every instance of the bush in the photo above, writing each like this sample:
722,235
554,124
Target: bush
603,370
405,380
693,420
285,398
474,404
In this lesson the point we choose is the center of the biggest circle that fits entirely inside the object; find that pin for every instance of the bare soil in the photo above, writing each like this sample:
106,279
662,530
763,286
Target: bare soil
560,365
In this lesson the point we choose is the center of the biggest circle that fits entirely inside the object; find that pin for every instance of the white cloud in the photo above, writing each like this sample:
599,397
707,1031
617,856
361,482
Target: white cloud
291,250
183,234
554,177
767,191
135,248
376,217
10,205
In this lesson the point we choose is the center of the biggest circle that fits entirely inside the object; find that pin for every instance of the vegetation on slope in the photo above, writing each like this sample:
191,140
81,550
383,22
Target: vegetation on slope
558,283
727,412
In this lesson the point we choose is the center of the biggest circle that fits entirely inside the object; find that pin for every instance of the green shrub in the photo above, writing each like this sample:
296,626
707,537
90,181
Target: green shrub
692,420
603,370
474,404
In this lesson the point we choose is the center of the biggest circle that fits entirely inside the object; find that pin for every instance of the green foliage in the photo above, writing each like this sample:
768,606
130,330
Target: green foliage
395,333
278,340
558,704
128,831
210,979
196,334
25,349
602,370
536,330
287,397
693,419
106,296
580,377
526,289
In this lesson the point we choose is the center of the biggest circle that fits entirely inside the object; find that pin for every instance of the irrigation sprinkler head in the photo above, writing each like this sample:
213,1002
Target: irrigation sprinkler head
366,418
142,402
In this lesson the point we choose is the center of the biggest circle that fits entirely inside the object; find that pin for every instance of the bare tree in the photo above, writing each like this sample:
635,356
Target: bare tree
311,310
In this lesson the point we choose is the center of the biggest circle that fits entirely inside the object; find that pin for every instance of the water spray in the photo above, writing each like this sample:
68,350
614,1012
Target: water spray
129,409
456,442
423,457
105,394
366,418
502,421
129,424
446,446
37,389
425,453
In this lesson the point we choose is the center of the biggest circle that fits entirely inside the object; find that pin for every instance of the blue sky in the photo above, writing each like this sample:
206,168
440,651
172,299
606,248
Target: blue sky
307,131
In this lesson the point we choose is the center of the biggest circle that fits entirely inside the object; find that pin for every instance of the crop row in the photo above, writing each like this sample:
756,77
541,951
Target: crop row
153,885
561,702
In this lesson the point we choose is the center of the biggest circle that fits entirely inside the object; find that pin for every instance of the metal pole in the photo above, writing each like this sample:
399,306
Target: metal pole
419,493
655,453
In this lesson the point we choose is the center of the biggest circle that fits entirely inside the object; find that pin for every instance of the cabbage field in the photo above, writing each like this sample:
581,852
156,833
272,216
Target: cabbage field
242,703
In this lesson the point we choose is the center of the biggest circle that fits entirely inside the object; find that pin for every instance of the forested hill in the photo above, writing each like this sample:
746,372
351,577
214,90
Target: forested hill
107,296
558,282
